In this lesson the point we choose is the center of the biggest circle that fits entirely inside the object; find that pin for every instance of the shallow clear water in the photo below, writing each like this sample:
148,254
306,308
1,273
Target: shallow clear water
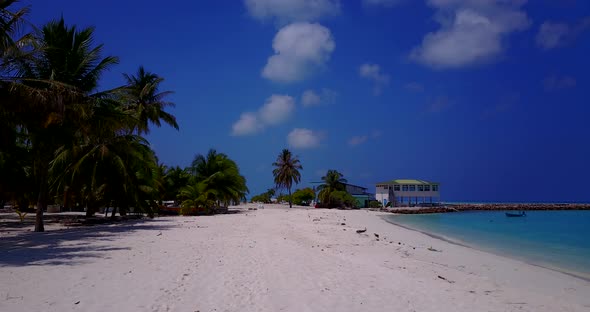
556,239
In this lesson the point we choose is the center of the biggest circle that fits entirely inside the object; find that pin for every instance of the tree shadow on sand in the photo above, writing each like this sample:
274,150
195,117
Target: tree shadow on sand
71,246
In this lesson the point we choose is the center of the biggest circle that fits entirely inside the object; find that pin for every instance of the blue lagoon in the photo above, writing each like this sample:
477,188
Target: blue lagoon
555,239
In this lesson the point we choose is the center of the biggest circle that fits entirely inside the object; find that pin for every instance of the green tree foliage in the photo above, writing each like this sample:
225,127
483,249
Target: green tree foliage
57,83
333,181
265,197
173,180
218,181
145,102
11,22
342,199
62,139
286,171
197,198
283,198
260,198
303,197
375,204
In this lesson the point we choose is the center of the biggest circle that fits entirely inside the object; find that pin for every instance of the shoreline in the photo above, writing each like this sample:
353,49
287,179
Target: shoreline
492,251
450,208
270,259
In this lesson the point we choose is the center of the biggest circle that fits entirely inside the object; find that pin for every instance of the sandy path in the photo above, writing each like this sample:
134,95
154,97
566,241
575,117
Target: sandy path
269,260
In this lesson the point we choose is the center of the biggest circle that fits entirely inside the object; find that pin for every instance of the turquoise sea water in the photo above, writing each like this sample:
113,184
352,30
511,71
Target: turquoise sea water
554,239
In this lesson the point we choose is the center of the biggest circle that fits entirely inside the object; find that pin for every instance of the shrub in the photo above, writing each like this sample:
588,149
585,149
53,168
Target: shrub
342,199
303,197
262,198
375,204
283,198
187,210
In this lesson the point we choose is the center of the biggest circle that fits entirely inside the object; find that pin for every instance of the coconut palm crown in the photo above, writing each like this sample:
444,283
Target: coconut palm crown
286,171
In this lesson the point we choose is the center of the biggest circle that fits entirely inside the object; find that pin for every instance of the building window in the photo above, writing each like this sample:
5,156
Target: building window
385,188
412,188
420,188
404,188
435,188
427,188
396,188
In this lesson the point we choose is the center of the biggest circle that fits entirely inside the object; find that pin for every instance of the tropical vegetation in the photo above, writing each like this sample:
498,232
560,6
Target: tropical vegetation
375,204
65,141
303,197
332,182
265,197
286,172
215,181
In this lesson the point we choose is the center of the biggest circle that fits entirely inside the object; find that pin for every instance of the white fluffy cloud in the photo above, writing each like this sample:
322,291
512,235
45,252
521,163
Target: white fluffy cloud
384,3
373,72
287,11
303,138
312,98
300,49
275,110
471,31
552,34
247,125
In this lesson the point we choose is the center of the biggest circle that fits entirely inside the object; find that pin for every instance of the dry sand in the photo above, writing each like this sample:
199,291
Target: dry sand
275,259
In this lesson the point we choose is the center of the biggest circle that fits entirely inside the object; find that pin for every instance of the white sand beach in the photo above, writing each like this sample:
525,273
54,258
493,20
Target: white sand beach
272,259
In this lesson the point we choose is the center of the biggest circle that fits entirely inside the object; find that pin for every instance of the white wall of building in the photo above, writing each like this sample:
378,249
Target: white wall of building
386,193
381,194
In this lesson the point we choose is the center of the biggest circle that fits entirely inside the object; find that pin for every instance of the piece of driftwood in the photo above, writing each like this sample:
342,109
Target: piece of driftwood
444,279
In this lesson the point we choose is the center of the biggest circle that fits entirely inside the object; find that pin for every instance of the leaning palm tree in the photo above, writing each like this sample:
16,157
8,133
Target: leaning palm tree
286,171
144,99
57,84
332,181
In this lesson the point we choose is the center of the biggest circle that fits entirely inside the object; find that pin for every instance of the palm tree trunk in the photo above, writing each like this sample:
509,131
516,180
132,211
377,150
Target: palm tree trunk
290,199
90,209
43,172
123,207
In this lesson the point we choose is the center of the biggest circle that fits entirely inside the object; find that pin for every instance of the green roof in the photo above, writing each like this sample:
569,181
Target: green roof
408,181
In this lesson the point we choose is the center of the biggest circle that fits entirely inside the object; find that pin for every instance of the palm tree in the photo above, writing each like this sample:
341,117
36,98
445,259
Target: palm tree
146,101
333,181
10,23
55,84
119,170
196,195
173,180
220,176
286,171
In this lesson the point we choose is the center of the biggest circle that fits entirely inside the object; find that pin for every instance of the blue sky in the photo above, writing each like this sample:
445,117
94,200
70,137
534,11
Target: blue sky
487,97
